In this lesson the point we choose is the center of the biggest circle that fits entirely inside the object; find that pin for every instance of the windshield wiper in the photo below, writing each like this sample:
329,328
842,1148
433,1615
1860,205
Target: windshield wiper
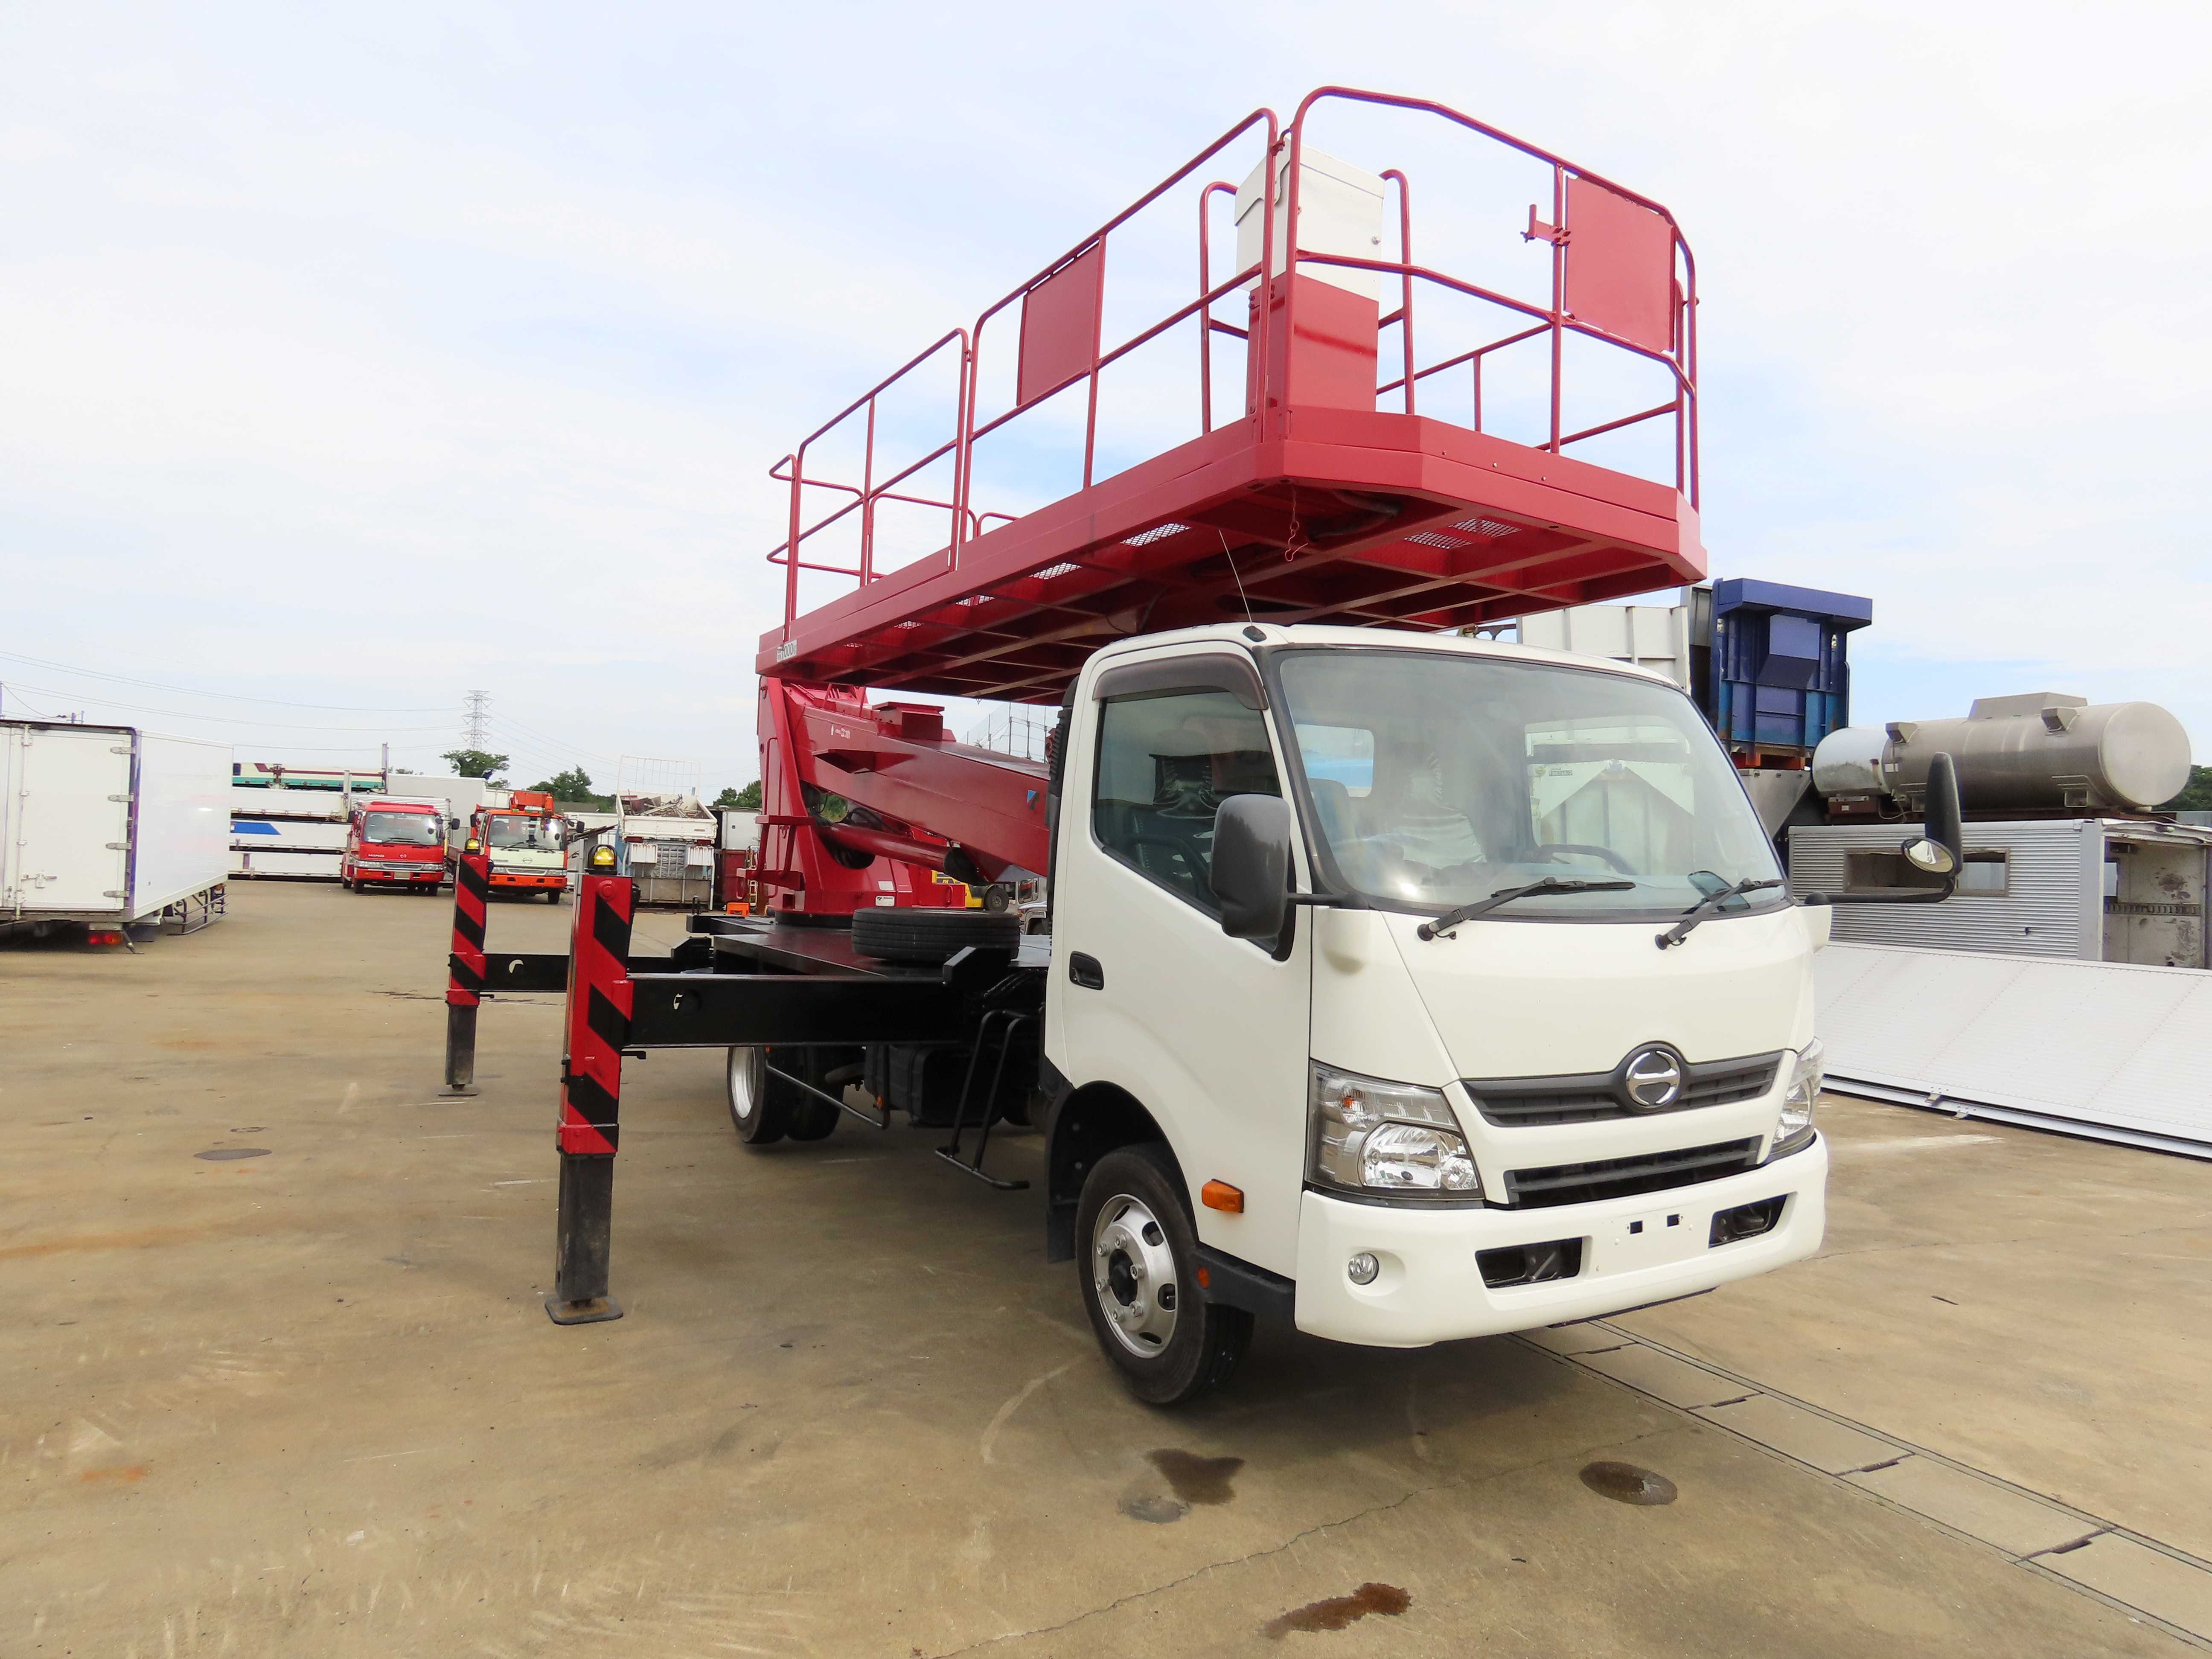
1682,929
1442,927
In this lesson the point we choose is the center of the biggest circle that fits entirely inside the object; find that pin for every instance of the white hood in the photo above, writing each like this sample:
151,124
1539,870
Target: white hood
1539,999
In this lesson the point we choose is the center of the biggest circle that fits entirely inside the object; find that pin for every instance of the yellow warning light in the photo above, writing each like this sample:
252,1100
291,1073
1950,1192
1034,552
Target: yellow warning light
472,845
602,858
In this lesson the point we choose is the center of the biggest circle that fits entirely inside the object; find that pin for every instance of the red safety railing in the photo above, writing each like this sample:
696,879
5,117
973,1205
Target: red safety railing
1680,357
1072,288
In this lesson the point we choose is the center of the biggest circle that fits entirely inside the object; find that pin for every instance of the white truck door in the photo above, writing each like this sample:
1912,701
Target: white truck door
71,820
1208,1032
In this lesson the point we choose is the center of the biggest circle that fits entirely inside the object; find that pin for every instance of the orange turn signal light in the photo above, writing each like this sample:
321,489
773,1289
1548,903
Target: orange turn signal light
1220,1196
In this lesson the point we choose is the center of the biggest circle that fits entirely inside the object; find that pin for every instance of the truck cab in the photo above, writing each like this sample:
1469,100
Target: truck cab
394,843
527,841
1266,1029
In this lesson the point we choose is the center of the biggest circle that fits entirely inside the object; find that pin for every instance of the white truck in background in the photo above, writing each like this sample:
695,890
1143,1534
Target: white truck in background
111,828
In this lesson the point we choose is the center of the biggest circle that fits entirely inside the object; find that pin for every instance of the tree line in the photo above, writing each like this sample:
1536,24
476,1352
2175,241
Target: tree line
573,787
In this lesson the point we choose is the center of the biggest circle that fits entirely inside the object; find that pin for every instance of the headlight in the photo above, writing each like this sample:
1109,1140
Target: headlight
1795,1129
1387,1139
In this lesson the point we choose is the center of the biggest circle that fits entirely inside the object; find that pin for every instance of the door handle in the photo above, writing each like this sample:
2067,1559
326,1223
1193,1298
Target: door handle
1083,970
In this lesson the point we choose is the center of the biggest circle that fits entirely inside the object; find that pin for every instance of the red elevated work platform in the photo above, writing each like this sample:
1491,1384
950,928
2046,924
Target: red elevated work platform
1332,495
1320,499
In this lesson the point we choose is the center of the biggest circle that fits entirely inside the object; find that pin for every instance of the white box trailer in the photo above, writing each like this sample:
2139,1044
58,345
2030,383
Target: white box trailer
109,826
290,833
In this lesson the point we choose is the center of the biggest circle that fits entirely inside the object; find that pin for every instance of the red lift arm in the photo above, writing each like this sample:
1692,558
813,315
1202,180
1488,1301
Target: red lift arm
1315,503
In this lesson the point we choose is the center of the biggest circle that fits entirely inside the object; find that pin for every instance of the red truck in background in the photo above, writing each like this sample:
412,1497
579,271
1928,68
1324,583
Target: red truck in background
394,843
528,841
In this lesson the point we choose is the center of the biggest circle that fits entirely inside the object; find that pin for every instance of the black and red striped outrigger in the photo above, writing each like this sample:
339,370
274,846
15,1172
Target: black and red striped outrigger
464,969
600,1000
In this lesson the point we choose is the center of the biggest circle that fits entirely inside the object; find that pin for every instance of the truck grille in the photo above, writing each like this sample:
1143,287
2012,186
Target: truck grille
1623,1177
1525,1101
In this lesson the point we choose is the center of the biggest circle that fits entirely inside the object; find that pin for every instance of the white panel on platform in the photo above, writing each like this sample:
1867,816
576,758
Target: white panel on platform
2104,1048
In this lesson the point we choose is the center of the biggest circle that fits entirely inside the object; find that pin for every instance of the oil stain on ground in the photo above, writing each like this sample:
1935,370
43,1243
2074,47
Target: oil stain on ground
1197,1479
1192,1480
227,1154
1624,1483
1337,1611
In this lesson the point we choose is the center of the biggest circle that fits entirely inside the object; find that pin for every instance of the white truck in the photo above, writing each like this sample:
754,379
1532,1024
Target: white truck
110,829
1401,987
1456,983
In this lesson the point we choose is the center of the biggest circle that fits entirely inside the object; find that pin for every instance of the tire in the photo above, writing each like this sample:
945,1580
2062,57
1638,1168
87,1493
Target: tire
805,1118
928,938
995,899
1137,1255
757,1112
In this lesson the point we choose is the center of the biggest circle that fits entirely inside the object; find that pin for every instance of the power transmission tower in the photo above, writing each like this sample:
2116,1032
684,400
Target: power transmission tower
475,711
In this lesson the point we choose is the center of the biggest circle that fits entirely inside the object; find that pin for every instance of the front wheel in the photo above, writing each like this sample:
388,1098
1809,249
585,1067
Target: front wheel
1139,1269
756,1112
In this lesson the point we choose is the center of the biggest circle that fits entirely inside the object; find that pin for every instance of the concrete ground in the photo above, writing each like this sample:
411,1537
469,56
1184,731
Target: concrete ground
308,1401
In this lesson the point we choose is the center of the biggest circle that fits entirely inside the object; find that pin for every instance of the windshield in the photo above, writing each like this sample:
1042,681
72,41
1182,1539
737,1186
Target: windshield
512,832
403,828
1435,779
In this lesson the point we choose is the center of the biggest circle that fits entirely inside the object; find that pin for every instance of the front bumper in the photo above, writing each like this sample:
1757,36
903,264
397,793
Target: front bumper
1430,1288
530,878
402,873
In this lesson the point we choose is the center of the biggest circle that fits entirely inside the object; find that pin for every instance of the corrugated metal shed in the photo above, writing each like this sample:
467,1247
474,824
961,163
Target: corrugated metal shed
2108,1049
2052,904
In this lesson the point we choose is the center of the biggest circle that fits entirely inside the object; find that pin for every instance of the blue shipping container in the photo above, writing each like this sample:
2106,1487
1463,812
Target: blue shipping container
1779,677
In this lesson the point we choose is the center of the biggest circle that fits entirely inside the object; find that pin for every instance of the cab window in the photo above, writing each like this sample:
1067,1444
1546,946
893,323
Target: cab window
1166,763
403,828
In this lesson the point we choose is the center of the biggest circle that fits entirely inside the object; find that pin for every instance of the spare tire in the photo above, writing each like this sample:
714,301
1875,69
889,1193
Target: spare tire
929,938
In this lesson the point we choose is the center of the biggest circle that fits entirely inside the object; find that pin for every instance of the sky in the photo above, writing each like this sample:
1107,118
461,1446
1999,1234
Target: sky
355,358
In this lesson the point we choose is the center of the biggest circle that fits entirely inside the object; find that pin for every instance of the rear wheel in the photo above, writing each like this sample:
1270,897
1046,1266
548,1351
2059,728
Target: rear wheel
806,1117
928,938
757,1111
1138,1264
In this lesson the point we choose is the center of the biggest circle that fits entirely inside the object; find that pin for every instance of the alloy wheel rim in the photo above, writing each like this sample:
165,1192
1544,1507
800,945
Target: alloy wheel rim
1133,1274
745,1067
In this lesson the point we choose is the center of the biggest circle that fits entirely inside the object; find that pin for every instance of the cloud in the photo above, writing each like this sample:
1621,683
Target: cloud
362,358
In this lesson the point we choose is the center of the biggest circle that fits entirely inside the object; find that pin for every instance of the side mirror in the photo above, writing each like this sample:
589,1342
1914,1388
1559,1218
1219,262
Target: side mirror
1932,856
1252,864
1940,851
1945,822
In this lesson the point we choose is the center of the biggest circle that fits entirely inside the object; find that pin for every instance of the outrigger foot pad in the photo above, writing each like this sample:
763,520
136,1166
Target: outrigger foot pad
461,1089
582,1313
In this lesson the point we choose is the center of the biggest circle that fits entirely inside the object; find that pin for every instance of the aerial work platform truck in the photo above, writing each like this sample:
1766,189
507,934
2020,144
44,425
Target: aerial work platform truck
1399,985
527,842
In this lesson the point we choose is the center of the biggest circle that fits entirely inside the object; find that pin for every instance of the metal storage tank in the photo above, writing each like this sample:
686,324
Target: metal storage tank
2041,751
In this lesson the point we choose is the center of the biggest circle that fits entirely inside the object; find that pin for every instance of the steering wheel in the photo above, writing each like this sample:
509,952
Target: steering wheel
1186,873
1612,858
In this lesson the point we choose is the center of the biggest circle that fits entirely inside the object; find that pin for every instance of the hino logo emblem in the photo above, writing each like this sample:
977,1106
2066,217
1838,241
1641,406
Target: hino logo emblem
1652,1078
